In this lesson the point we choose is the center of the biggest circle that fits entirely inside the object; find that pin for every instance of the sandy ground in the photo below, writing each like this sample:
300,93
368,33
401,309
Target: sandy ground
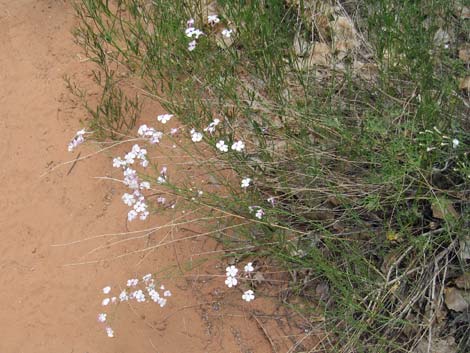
46,306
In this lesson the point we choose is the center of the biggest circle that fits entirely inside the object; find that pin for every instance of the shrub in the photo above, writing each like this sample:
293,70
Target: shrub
355,139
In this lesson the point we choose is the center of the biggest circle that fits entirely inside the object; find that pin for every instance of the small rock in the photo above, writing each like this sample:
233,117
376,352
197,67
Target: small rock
464,84
455,300
463,282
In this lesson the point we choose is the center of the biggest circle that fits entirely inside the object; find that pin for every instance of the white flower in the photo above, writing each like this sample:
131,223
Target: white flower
145,185
109,332
248,296
102,317
147,277
249,267
118,162
167,293
131,179
161,180
129,172
154,294
221,146
190,22
238,146
455,143
139,152
196,136
132,183
189,31
162,302
135,149
246,182
212,125
164,118
123,296
259,214
113,300
105,301
131,215
231,271
161,200
139,296
144,163
77,140
193,32
130,158
271,200
142,130
143,216
174,131
128,199
132,282
156,137
192,45
196,33
106,289
227,33
213,19
231,281
140,206
138,194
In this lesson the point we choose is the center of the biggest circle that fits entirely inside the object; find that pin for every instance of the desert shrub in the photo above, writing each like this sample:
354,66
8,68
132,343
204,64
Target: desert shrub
354,121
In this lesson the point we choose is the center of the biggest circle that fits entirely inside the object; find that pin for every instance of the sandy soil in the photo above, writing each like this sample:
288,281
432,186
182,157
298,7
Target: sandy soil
46,306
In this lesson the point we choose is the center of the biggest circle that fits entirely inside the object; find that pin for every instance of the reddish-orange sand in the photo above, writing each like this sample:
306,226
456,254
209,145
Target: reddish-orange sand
45,305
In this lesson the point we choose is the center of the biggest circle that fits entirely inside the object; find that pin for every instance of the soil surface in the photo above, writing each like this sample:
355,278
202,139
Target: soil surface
47,304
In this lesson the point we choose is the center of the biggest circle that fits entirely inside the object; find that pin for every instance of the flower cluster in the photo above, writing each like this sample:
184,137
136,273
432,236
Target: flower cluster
77,140
192,32
150,133
147,293
231,279
231,276
164,118
236,146
135,199
246,183
197,136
